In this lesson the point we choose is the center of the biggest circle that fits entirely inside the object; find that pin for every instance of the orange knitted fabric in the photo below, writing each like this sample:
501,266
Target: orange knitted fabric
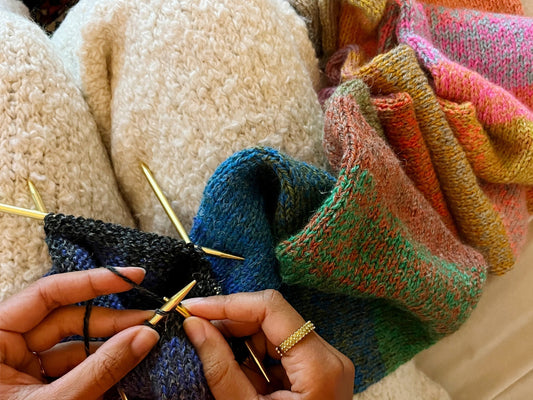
479,222
356,28
496,6
398,119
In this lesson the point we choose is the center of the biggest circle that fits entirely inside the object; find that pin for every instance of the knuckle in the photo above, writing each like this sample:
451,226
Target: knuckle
216,372
106,371
273,297
46,289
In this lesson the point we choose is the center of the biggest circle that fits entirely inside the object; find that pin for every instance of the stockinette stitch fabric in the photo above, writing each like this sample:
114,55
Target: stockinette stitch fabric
47,134
259,197
172,370
321,18
454,44
254,199
478,221
182,85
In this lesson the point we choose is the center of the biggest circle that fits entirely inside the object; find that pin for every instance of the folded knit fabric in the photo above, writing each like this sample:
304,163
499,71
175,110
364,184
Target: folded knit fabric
481,223
381,278
172,370
451,44
47,134
182,85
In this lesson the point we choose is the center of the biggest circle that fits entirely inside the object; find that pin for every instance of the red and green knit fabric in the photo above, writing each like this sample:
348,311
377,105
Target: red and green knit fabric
376,236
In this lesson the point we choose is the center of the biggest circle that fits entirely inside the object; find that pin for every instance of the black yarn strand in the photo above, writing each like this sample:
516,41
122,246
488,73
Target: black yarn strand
89,306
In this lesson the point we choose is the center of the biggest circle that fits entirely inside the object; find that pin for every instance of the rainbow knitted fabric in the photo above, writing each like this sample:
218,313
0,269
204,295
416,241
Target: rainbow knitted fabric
375,268
172,370
472,57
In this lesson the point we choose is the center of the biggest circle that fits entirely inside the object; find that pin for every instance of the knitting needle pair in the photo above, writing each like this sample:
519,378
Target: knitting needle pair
174,304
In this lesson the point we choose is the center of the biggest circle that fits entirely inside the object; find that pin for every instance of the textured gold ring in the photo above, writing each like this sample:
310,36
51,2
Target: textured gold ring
296,337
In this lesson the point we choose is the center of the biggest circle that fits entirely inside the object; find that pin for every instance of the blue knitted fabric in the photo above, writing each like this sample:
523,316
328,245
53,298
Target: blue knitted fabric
172,370
256,198
259,197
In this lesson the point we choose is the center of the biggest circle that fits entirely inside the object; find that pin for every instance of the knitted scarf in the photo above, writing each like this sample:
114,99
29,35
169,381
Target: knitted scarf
172,370
375,268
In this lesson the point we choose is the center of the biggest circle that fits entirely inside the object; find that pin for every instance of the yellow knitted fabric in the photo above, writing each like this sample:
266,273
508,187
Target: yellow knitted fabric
373,9
490,161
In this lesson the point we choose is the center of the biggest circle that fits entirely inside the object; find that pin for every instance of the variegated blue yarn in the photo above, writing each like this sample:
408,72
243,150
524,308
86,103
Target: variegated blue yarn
256,198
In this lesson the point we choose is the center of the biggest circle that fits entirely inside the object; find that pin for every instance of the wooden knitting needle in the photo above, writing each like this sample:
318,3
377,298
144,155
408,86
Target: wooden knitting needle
174,218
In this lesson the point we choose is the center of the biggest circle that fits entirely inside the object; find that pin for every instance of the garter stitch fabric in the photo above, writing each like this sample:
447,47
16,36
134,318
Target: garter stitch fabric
172,370
259,197
479,223
182,85
47,134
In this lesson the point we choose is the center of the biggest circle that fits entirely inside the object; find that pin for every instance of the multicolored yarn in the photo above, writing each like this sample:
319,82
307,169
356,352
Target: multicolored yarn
476,219
398,118
376,236
172,370
321,18
377,313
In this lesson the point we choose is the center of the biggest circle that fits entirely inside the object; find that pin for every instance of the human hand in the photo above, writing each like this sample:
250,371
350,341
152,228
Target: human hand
311,370
37,318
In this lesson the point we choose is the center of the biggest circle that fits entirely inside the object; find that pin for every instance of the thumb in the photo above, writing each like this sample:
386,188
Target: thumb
223,374
110,363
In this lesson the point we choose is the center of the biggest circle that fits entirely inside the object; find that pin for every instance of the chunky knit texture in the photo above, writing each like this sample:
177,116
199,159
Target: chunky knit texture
479,222
47,134
182,85
379,318
172,370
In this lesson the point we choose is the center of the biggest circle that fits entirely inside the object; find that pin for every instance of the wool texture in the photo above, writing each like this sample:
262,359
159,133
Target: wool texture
182,85
259,197
48,135
479,222
172,370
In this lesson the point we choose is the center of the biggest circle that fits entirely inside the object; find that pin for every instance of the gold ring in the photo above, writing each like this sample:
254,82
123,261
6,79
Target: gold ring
296,337
43,372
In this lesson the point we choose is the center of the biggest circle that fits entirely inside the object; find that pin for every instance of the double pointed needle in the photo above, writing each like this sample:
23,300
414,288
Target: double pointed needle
35,195
170,305
174,218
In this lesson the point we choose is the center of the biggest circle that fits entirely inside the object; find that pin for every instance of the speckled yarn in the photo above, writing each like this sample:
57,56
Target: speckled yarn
172,370
259,197
479,222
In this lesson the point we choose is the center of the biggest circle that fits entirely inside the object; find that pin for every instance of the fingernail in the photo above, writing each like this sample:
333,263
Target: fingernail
143,341
194,328
192,301
126,269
